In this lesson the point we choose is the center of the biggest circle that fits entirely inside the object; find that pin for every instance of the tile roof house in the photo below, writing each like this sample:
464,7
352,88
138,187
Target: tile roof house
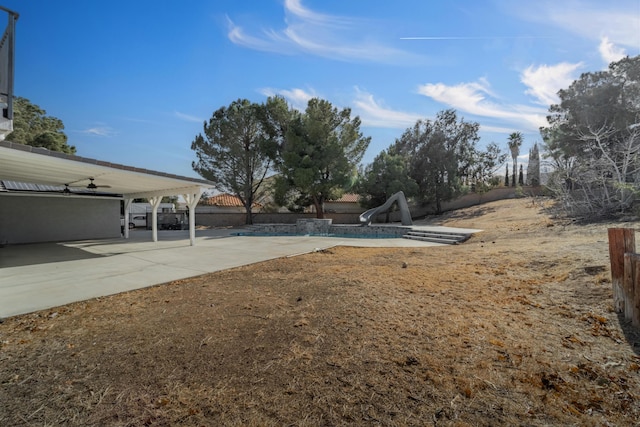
225,202
229,203
348,203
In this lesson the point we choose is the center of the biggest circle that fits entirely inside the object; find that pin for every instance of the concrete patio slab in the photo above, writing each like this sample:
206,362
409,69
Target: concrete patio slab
42,276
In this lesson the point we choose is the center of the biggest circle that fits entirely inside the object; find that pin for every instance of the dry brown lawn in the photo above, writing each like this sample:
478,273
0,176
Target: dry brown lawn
513,327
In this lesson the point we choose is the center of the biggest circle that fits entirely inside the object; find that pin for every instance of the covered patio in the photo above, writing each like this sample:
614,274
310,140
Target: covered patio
37,172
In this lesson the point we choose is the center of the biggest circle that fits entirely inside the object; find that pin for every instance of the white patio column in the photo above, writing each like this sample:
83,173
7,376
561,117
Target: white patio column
127,206
192,200
155,204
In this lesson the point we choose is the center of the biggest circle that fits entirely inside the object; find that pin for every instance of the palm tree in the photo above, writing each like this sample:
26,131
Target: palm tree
515,141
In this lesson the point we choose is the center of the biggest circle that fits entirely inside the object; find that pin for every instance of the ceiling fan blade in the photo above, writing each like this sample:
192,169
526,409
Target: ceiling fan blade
92,185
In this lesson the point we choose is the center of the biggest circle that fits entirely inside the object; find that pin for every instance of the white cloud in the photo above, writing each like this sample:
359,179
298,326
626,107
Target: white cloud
238,36
544,81
135,120
297,98
295,8
328,36
610,52
618,20
477,99
99,131
592,22
373,114
188,117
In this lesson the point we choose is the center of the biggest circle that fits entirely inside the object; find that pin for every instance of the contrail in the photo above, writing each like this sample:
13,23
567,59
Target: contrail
474,38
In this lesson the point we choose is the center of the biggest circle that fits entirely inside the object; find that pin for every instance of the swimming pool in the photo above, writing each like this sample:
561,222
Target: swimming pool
334,235
324,228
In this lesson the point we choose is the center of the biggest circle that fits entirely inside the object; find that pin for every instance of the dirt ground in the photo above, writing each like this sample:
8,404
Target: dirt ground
513,327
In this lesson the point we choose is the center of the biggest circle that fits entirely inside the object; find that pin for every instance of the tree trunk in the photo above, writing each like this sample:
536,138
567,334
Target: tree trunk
248,220
318,205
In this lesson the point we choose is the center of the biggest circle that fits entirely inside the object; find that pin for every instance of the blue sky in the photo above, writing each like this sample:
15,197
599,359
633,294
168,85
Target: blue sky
133,81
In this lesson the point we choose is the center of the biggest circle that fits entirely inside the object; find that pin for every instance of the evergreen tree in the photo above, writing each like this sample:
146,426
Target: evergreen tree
31,126
440,155
533,168
506,177
232,153
319,156
383,178
484,165
521,177
593,140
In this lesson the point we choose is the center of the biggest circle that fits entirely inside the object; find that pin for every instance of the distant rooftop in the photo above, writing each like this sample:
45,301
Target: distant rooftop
347,198
224,200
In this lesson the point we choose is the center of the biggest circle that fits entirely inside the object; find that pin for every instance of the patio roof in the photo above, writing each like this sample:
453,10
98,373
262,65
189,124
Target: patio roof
36,165
53,172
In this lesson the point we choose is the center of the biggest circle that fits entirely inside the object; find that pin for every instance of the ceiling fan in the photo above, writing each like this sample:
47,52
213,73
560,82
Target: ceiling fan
93,186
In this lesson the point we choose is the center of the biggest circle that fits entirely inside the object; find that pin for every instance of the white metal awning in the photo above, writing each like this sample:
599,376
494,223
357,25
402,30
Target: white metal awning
23,163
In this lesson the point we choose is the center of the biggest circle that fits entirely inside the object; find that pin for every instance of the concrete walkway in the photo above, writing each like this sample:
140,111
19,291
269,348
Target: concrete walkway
41,276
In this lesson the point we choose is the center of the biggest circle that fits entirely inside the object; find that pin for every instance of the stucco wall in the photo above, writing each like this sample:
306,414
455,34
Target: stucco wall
343,207
220,209
28,219
235,220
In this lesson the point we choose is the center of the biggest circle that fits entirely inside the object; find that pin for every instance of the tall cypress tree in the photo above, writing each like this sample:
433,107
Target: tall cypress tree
533,168
521,177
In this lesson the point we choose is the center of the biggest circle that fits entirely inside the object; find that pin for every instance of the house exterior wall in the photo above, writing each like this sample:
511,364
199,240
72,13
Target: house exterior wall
29,219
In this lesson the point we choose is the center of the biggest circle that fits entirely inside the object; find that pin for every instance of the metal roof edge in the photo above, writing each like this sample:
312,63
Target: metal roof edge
45,152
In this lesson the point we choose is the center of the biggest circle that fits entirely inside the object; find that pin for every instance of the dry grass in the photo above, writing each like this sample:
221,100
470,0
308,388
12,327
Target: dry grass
513,327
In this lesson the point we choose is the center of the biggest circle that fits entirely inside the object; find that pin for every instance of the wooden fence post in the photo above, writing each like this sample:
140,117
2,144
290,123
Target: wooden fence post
630,288
621,241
